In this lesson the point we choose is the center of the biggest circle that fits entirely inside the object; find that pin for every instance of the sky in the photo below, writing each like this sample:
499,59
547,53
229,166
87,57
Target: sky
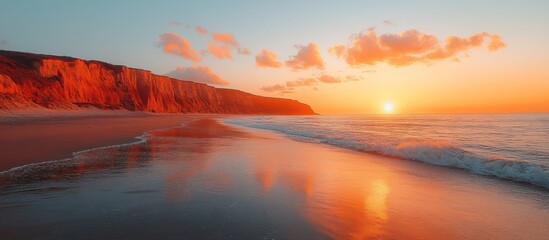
340,57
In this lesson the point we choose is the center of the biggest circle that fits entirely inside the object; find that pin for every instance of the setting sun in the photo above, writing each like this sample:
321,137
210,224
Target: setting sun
388,107
353,119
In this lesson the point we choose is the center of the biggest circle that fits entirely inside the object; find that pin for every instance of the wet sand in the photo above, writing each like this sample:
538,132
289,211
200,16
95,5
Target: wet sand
31,137
207,180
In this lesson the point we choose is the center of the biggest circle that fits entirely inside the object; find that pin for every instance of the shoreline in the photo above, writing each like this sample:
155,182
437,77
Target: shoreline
221,180
30,137
131,134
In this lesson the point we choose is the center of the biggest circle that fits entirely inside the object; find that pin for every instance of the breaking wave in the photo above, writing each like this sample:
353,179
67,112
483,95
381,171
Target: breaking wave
439,153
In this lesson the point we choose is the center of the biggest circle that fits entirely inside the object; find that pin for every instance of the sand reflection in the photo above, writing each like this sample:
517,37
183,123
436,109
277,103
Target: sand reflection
300,182
376,200
343,199
349,213
265,178
193,158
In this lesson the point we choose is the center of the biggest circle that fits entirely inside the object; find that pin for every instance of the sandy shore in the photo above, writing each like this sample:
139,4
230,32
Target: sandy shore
37,136
208,180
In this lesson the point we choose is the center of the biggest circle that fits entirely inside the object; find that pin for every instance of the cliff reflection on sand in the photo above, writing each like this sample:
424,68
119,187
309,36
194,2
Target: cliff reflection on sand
195,142
343,199
339,198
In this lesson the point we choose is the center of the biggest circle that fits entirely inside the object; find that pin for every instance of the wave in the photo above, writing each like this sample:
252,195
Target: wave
50,169
432,152
45,170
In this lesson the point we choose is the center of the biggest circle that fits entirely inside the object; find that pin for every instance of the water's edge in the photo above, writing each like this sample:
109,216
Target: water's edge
440,154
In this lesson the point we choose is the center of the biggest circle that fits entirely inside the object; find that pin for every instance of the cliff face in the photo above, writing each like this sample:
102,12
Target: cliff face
32,80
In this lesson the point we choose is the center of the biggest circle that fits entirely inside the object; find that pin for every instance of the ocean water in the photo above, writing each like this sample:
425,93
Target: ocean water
507,146
205,180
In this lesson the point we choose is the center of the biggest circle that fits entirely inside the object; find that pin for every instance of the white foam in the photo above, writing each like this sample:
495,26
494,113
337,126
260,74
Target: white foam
432,152
28,169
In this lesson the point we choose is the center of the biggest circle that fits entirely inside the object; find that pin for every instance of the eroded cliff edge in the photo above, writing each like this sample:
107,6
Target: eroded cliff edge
42,81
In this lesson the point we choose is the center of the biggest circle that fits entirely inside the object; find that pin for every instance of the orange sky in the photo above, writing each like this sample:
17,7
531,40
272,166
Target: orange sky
342,58
446,88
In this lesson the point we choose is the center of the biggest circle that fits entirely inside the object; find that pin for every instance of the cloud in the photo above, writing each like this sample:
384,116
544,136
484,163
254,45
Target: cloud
290,85
220,46
197,73
267,59
171,43
408,47
221,52
337,50
200,30
454,45
388,22
309,82
3,42
302,82
274,88
225,38
307,57
353,78
328,79
495,43
227,43
404,60
411,41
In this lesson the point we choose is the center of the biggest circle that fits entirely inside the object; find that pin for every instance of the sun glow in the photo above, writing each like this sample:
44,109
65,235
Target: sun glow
388,107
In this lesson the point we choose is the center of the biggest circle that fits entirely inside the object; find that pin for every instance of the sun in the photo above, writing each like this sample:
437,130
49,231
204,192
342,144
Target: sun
388,107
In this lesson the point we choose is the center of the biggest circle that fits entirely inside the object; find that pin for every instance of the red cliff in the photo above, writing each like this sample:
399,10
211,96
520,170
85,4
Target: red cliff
32,80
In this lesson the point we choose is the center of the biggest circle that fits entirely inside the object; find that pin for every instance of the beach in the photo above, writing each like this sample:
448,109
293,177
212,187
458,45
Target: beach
274,120
199,177
38,136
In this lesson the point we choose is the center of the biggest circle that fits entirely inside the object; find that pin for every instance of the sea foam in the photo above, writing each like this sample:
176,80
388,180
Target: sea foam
436,152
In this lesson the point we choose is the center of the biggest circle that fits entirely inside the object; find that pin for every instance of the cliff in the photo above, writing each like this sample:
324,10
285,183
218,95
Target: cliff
32,80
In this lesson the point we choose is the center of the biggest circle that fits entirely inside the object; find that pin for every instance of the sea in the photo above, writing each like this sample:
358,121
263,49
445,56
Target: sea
507,146
344,177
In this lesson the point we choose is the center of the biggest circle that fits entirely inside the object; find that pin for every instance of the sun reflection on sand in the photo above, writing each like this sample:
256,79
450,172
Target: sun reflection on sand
376,200
339,198
335,192
349,213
